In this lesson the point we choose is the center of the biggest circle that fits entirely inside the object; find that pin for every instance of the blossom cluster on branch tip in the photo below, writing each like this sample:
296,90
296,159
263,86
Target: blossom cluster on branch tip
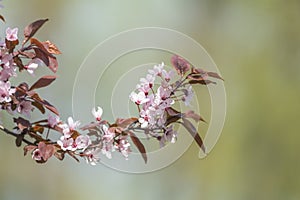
155,96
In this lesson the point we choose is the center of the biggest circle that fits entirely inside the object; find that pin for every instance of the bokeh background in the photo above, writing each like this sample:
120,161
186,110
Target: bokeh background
256,45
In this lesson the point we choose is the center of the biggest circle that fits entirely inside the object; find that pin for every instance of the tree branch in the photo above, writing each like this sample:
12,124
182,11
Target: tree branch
14,134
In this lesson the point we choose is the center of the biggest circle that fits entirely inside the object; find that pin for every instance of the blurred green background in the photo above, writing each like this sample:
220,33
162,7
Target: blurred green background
256,45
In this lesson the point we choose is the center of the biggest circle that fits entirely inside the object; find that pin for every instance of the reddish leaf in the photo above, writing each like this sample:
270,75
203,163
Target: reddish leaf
19,63
197,77
37,128
192,130
202,82
172,112
34,96
138,144
43,82
50,107
22,123
123,123
28,148
60,155
72,154
39,106
53,65
42,56
51,48
180,64
27,54
19,140
47,150
32,28
173,115
2,18
194,116
10,45
215,75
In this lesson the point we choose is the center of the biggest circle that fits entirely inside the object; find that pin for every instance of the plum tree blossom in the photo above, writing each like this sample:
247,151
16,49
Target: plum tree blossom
138,98
97,113
53,120
6,91
12,34
156,105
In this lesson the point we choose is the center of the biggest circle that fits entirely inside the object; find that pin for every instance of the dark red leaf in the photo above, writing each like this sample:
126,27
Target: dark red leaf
19,63
59,155
43,82
32,28
193,115
28,148
37,128
19,140
42,56
53,65
39,106
138,144
40,46
22,123
51,48
192,130
2,18
50,107
10,45
180,64
38,99
215,75
202,82
123,123
173,115
172,112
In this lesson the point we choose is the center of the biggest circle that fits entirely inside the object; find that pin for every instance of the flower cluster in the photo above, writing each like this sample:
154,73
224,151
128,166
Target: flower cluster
155,96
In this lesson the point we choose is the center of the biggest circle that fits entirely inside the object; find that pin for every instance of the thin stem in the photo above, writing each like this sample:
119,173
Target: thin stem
14,134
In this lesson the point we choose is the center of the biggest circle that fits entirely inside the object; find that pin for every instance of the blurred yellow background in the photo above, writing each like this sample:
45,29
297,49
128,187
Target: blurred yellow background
256,45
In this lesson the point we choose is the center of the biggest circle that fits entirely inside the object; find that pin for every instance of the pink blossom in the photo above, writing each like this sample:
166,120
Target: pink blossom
31,68
37,155
25,108
66,130
124,147
53,120
9,69
5,91
149,80
157,69
82,142
97,113
168,75
170,135
73,124
92,156
12,34
143,88
188,96
139,98
107,142
66,143
144,119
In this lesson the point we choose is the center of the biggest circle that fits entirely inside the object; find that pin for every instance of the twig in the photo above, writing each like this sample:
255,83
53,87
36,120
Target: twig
14,134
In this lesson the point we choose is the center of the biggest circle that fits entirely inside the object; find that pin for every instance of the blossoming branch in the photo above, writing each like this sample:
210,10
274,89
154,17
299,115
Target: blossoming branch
155,104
